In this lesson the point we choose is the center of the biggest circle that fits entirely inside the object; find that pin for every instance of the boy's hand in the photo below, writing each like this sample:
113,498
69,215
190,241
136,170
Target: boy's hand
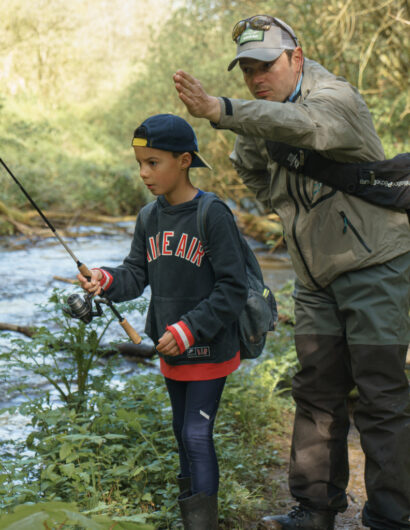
91,286
167,345
194,97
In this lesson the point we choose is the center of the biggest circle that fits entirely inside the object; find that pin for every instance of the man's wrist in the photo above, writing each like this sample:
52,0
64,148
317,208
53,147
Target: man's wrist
214,113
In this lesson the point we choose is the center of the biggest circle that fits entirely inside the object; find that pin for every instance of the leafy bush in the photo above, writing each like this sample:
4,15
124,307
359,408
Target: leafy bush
66,352
111,451
76,152
53,515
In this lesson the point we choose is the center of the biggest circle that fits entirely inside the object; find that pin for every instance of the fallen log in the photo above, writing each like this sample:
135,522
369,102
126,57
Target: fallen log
286,320
66,280
29,223
25,330
13,213
135,352
261,228
87,217
24,220
129,349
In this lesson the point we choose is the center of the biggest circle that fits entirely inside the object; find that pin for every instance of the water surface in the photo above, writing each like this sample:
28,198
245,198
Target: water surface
27,270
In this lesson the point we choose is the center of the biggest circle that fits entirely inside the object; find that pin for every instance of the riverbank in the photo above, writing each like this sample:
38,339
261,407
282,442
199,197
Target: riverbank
86,454
253,432
36,468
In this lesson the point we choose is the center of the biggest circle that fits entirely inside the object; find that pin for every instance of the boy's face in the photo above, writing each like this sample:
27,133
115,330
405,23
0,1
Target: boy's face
162,173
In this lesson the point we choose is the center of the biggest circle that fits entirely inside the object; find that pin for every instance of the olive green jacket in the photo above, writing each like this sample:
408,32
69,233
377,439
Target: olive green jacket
327,232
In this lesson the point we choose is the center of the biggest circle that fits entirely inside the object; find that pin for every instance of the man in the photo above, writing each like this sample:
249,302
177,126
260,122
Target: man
352,261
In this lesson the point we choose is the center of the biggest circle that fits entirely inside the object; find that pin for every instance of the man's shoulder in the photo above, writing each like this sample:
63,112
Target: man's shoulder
317,77
324,88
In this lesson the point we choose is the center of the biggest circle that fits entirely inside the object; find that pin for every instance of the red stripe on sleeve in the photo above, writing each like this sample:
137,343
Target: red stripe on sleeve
182,334
106,279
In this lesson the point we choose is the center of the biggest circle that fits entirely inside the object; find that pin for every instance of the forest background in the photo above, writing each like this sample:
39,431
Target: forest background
76,79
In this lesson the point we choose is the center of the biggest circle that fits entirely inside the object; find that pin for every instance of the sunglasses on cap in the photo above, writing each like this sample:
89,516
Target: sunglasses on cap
259,22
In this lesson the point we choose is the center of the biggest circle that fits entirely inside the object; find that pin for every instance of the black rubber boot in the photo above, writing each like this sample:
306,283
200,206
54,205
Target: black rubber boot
199,511
184,483
300,519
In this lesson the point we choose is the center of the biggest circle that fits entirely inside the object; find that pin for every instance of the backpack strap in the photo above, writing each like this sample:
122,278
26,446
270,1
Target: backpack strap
204,202
382,182
297,159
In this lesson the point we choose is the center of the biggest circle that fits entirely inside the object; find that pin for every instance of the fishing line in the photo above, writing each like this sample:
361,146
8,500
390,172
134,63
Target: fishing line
85,271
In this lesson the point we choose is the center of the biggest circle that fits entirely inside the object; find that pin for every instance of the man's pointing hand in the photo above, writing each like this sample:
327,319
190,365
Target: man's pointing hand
194,97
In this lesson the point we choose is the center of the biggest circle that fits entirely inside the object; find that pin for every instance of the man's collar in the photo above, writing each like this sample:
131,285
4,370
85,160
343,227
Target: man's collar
296,92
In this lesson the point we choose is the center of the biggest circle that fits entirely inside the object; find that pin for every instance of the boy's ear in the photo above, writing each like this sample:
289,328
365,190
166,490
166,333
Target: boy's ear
186,160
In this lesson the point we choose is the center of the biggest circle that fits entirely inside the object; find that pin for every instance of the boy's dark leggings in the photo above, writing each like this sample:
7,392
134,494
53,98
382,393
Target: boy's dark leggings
194,407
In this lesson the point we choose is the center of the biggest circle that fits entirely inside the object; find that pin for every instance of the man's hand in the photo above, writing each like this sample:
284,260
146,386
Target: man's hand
167,345
194,97
91,286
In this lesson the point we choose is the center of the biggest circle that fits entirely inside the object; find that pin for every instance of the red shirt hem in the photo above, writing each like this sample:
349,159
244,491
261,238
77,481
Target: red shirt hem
199,372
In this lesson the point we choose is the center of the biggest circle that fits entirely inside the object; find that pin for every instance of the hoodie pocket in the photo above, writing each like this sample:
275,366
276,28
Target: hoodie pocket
348,225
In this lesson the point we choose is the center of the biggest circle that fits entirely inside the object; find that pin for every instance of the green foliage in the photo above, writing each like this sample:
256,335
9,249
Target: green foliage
114,457
65,352
53,515
64,162
110,457
286,306
197,39
119,458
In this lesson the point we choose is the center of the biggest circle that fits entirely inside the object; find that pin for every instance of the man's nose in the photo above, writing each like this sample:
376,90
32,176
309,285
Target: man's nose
258,77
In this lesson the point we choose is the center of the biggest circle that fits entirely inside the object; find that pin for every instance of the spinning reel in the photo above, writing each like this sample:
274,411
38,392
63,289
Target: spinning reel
82,308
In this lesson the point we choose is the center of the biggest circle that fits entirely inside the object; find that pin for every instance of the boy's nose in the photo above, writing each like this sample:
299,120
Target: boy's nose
143,172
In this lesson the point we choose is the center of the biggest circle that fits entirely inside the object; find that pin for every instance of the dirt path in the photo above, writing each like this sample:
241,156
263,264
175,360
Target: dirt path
349,520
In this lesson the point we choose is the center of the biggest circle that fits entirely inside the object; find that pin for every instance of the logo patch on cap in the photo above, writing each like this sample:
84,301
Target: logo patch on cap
139,142
251,35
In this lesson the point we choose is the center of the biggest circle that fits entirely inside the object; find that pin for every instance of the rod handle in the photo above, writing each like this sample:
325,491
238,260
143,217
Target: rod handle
85,271
130,331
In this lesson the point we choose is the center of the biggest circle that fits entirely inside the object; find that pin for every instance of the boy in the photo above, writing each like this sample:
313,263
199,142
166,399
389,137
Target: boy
194,306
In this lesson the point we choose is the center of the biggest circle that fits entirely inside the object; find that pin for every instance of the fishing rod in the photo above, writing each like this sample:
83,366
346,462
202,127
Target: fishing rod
79,308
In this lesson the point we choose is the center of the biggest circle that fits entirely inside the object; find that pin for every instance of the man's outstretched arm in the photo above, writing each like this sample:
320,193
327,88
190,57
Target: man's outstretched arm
193,96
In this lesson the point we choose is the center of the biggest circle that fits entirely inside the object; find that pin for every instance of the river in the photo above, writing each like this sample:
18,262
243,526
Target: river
27,270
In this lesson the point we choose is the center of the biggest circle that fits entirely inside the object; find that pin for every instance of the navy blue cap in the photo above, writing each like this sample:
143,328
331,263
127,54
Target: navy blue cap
169,133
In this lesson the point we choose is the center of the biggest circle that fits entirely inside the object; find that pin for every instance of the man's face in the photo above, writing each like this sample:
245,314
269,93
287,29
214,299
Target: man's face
273,81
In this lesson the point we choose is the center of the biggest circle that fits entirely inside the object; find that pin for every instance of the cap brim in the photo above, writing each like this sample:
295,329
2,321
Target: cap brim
260,54
199,161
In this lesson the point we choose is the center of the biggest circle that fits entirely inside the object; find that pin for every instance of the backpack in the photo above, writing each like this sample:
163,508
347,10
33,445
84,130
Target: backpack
383,182
260,312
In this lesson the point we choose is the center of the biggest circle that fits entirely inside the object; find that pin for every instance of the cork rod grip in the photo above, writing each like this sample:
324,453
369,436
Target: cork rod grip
130,331
85,271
